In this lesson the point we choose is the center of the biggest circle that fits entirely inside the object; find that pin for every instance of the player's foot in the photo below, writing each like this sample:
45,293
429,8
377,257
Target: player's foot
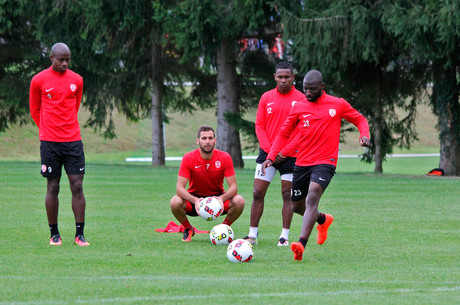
55,240
283,242
81,241
298,249
322,229
188,233
252,241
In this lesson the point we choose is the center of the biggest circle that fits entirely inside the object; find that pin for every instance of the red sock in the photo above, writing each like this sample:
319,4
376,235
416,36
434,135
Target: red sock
227,222
186,224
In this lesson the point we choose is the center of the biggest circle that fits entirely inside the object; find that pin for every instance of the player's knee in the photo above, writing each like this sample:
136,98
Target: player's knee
286,193
175,202
76,187
238,202
258,195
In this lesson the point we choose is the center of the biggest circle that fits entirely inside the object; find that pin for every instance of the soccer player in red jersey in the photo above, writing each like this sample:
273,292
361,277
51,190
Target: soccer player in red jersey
205,169
54,100
318,121
274,106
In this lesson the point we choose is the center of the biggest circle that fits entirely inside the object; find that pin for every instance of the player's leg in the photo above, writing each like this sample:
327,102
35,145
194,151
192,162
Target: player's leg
50,153
74,164
179,209
286,169
309,218
235,209
286,212
261,184
52,209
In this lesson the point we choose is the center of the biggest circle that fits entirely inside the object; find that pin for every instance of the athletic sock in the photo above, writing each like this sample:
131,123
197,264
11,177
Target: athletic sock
253,232
227,222
80,227
54,229
285,234
303,241
186,224
321,218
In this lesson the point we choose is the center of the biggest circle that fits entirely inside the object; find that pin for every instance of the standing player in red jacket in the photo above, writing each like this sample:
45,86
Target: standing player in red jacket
274,106
204,169
54,100
318,121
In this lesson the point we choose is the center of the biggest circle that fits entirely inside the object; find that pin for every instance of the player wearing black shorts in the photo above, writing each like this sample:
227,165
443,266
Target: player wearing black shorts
317,120
54,99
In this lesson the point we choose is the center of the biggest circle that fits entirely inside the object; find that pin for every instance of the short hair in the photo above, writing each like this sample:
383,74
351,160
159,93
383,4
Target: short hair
284,65
205,128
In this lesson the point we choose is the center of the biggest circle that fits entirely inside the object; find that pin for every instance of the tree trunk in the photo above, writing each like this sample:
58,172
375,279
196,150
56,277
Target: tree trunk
156,111
378,128
228,137
447,108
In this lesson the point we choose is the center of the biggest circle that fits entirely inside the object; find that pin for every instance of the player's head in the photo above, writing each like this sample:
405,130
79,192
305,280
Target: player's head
284,76
60,57
313,85
206,139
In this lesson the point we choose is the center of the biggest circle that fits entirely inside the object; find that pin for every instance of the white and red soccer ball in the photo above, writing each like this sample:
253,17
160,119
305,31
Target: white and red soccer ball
240,251
210,208
221,234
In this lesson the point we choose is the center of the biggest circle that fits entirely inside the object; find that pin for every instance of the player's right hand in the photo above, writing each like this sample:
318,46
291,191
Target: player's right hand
267,163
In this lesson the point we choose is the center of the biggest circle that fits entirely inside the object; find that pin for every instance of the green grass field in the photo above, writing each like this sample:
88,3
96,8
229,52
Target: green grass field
395,240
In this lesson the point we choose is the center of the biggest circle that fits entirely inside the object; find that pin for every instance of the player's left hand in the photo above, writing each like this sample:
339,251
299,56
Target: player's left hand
364,141
279,158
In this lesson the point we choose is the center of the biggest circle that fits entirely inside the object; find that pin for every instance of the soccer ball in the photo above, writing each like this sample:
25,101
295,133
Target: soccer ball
221,235
210,208
240,251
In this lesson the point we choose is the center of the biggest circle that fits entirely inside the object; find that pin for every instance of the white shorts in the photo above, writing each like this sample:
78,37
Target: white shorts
269,174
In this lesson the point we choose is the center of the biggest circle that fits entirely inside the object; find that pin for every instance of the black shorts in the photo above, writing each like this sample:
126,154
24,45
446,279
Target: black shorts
285,167
303,175
55,154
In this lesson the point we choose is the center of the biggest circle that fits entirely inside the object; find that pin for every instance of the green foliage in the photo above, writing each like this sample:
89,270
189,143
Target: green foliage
20,58
363,62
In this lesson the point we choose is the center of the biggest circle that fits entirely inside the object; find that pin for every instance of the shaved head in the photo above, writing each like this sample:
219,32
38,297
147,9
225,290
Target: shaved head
60,57
313,85
59,48
313,76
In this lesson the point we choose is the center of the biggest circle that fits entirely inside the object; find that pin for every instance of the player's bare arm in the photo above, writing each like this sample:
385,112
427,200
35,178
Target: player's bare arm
232,189
183,193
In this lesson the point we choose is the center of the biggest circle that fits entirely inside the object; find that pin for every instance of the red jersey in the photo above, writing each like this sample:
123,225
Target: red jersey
54,100
206,177
318,124
271,114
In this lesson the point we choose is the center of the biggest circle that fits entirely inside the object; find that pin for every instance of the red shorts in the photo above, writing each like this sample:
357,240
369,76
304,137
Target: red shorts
190,207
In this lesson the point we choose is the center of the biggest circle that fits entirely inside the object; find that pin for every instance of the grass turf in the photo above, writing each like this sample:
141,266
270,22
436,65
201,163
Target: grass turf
395,240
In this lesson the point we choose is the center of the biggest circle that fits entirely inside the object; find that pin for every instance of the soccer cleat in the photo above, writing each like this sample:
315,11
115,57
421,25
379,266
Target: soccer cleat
322,229
55,240
298,249
188,233
252,241
283,242
81,241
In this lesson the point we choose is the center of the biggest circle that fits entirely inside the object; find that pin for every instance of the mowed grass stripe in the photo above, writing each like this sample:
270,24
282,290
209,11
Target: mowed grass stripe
395,240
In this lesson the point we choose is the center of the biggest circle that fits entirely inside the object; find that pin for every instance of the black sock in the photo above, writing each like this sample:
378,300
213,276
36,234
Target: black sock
54,229
80,226
321,218
303,241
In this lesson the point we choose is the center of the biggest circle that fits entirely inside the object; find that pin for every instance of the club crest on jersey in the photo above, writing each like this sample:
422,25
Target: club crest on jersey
73,87
218,164
332,112
293,103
